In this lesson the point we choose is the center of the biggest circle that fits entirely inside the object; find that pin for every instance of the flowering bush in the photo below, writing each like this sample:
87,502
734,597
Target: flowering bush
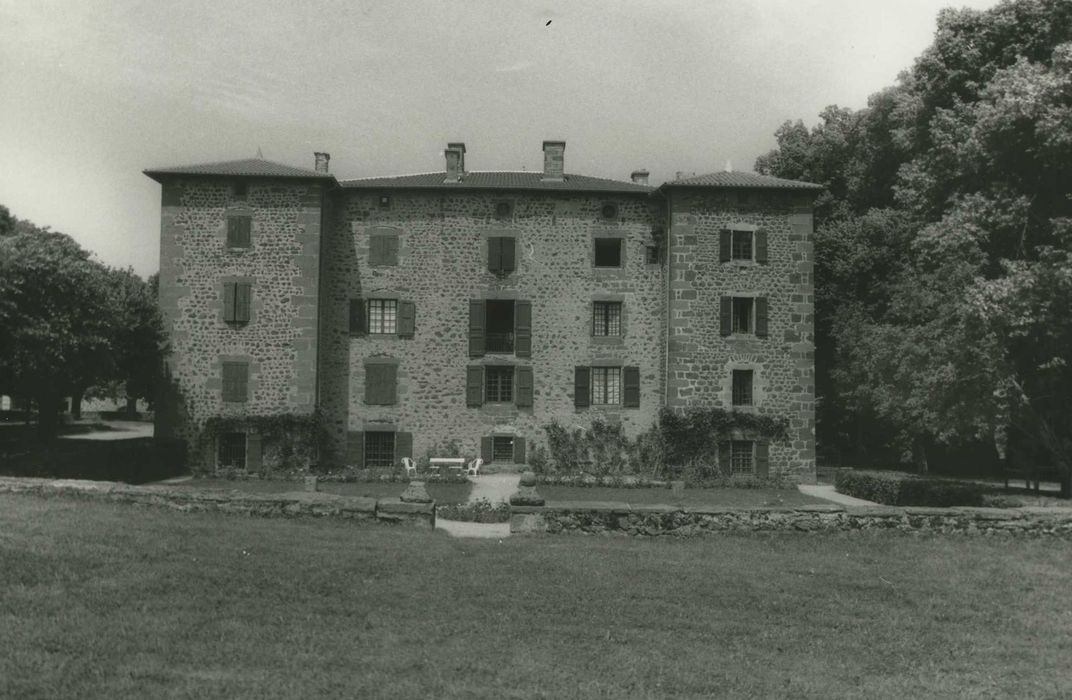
479,511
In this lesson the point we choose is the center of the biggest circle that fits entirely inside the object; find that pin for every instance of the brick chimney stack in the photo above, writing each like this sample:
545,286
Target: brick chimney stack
322,161
639,177
455,155
554,155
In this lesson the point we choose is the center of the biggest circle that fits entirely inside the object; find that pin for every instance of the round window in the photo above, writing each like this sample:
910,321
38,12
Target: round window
503,210
610,211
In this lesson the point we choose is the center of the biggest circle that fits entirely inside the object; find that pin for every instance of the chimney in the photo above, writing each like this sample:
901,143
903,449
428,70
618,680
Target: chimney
639,177
455,155
322,161
554,153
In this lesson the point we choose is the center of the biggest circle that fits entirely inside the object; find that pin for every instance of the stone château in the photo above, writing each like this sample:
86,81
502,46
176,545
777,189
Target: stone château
411,311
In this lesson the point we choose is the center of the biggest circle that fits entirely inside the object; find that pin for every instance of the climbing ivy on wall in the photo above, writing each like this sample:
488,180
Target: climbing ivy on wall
289,441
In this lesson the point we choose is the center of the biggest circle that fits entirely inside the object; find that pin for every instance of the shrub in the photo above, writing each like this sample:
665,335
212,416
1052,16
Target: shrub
900,489
479,511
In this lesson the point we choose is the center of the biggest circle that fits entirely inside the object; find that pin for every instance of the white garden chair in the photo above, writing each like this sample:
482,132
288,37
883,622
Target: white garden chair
474,467
410,466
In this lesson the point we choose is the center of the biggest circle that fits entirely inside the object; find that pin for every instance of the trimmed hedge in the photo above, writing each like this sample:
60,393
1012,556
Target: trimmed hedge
479,511
900,489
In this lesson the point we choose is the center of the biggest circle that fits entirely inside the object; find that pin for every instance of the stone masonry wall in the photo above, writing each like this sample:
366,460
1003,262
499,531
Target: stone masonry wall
282,265
442,264
701,360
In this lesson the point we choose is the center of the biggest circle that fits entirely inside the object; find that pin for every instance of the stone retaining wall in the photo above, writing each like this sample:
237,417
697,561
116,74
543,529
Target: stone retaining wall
276,505
622,518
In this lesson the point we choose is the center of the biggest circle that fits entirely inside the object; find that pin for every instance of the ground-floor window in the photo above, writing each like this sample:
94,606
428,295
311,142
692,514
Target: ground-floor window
379,449
502,448
741,460
232,450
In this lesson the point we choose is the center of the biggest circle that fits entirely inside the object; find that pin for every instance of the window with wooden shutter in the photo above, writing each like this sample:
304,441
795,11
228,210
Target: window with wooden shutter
380,384
523,328
761,246
581,386
499,384
508,259
631,387
229,302
243,297
379,448
476,328
724,245
741,248
761,317
741,389
355,449
725,315
524,387
235,377
474,386
254,457
357,316
742,314
238,231
403,446
494,254
487,449
519,450
762,458
382,315
383,249
407,315
724,457
231,450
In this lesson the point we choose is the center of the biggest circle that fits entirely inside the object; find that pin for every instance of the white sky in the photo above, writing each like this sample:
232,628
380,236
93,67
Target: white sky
95,92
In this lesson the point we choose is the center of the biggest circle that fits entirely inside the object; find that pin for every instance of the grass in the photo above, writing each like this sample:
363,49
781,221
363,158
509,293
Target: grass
442,493
105,600
733,497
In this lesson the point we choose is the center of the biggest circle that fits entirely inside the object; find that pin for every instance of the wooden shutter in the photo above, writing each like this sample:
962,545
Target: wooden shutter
762,458
235,381
474,386
253,452
761,317
724,458
232,232
476,328
524,387
407,313
245,236
380,384
724,237
229,302
523,328
375,250
487,448
761,246
508,259
519,450
631,385
390,250
582,377
725,315
357,316
355,449
243,294
403,446
494,254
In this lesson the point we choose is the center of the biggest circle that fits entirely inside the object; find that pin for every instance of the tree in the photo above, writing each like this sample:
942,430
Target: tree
138,335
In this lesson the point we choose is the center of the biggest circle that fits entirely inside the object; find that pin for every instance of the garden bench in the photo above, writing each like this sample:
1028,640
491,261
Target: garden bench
1031,474
455,464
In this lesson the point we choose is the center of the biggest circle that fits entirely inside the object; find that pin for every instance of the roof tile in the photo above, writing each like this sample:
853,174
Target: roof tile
251,167
742,179
498,180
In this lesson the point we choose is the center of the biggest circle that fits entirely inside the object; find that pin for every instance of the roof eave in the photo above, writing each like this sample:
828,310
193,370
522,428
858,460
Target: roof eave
161,175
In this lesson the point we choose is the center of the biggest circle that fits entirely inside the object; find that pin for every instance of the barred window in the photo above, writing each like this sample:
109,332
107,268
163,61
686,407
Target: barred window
379,449
742,314
606,318
742,245
499,384
741,457
232,450
607,385
742,387
382,316
502,449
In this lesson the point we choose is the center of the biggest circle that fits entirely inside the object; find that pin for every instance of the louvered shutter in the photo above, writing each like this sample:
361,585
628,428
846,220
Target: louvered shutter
724,458
523,328
524,387
243,294
476,328
245,235
494,254
375,253
487,448
390,250
474,386
631,385
380,384
724,237
581,386
519,450
229,302
761,317
508,260
355,449
762,458
407,312
403,446
725,315
253,452
357,316
761,246
232,232
235,381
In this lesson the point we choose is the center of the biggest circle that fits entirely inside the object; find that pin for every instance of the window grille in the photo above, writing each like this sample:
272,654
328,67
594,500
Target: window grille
502,449
742,245
741,461
379,449
606,385
383,316
742,387
232,450
607,318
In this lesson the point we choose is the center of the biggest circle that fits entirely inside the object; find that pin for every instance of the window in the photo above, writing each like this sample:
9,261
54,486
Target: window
609,211
651,254
741,457
235,381
606,318
383,316
232,451
741,247
504,210
240,190
499,317
742,314
502,448
236,302
385,201
379,449
608,252
383,249
238,228
381,380
606,386
499,384
742,387
501,255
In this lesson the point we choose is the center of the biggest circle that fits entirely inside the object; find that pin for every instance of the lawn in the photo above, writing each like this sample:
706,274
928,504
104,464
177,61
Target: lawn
442,493
105,600
732,497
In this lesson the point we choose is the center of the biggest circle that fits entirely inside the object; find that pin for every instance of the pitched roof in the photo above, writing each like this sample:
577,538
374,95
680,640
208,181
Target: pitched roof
742,180
250,167
499,180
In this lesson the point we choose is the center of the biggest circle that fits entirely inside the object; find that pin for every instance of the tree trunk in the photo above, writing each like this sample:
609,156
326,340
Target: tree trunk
131,409
76,404
919,450
47,415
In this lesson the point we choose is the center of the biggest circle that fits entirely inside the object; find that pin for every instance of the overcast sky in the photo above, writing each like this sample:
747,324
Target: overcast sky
95,92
